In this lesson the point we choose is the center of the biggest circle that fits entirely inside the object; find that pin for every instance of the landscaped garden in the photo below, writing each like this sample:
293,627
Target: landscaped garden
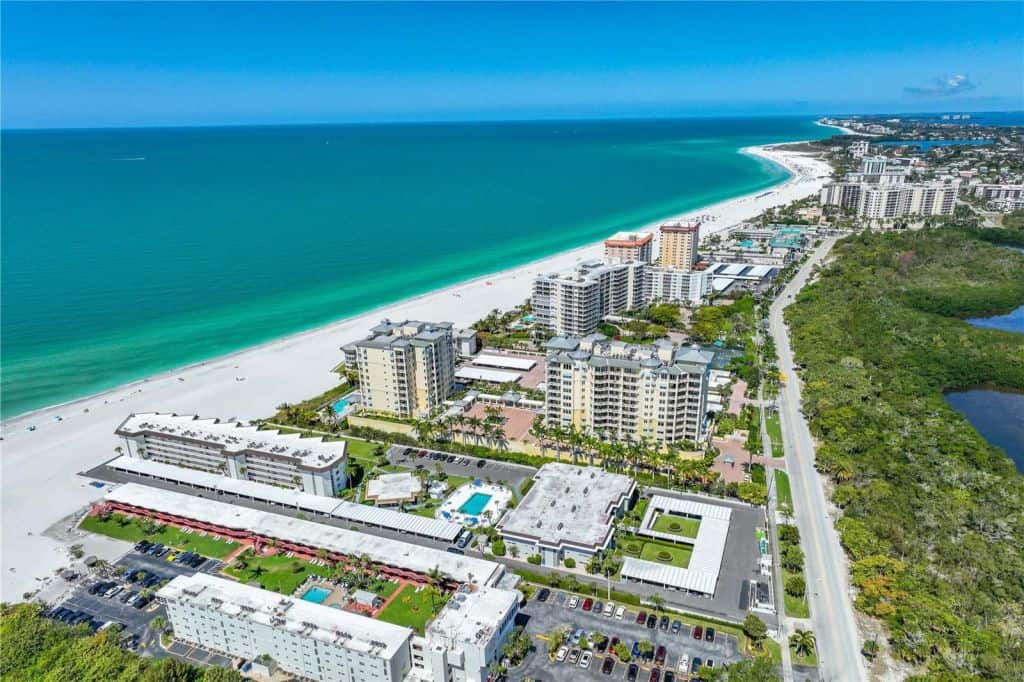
135,530
784,491
775,433
676,525
413,608
277,572
655,551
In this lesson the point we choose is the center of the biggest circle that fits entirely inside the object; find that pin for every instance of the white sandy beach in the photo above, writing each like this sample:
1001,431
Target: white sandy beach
40,485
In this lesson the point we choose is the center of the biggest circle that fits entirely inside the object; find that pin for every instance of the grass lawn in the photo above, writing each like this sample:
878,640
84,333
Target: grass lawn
661,553
278,573
361,450
384,589
795,607
809,659
775,433
455,481
773,649
757,474
412,609
427,509
126,528
785,493
676,525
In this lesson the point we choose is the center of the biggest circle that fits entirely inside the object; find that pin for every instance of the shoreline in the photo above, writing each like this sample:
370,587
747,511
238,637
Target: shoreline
39,467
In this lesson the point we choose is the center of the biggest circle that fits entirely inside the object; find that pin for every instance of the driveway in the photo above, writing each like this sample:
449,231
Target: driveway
512,474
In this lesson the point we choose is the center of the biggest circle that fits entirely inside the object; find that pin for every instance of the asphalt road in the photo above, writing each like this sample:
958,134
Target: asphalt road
828,584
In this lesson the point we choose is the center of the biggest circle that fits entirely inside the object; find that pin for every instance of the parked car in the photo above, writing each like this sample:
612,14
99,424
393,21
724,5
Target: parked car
619,612
698,632
454,550
562,652
585,659
127,595
635,651
677,625
684,663
659,656
641,618
631,672
612,643
669,676
142,602
655,675
695,664
112,591
709,663
543,595
588,603
573,602
577,635
574,656
603,646
664,623
598,607
608,666
709,635
609,609
652,621
480,463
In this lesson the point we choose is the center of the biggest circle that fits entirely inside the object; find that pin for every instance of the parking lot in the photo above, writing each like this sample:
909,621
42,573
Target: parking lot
198,656
463,465
131,614
542,618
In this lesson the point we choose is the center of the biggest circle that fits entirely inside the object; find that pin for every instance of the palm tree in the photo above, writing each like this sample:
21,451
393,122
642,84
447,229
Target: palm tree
330,416
476,423
802,642
434,579
657,601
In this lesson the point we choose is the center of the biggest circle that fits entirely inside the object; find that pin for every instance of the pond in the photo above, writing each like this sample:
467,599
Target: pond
997,415
925,145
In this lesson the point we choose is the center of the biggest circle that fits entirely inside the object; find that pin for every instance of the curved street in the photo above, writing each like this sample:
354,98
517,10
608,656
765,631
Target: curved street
828,583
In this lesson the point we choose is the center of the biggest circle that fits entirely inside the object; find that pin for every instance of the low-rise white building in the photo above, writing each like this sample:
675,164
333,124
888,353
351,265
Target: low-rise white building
313,465
567,514
308,640
320,643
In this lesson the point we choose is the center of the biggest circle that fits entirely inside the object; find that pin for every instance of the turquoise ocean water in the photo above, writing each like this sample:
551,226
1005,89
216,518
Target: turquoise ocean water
130,252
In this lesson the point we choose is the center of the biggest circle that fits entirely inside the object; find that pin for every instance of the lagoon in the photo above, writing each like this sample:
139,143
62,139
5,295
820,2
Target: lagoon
997,415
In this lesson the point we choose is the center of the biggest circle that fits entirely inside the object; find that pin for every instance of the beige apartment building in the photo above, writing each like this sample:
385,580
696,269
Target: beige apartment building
679,241
406,368
622,391
629,247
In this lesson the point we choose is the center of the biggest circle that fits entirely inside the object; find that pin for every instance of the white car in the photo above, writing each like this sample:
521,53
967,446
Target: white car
684,663
620,612
609,609
585,659
562,652
573,602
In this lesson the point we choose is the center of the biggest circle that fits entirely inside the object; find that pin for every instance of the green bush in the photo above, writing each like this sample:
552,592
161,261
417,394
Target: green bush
498,547
534,559
569,562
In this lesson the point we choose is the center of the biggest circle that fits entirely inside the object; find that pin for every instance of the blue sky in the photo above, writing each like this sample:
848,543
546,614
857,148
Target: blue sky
71,64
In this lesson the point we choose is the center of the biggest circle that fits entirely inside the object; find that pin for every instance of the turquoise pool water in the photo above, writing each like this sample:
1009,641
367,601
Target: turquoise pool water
316,595
340,405
475,504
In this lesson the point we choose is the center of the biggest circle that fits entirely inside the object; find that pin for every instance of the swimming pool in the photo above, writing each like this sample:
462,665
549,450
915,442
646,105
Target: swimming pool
316,595
340,406
475,504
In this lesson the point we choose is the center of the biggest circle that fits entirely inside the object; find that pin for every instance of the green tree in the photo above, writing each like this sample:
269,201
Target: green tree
796,586
755,629
802,642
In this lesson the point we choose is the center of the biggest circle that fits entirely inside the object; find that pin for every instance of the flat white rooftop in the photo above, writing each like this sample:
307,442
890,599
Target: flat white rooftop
293,499
505,362
491,375
396,553
235,438
708,547
388,487
297,616
471,616
569,506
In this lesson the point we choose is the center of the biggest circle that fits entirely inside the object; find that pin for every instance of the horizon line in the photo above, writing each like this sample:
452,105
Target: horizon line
482,121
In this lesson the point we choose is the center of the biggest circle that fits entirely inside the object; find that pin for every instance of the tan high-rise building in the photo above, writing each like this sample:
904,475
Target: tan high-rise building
622,391
628,247
679,244
406,368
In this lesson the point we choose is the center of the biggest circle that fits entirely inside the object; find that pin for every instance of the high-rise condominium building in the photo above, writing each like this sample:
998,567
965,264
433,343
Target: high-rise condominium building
891,201
859,148
679,241
577,301
312,465
626,391
629,247
406,368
